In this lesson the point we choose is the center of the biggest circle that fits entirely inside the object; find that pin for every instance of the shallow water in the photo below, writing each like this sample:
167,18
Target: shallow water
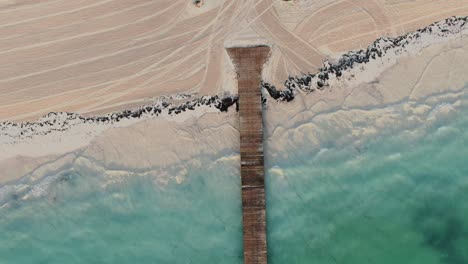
132,221
397,197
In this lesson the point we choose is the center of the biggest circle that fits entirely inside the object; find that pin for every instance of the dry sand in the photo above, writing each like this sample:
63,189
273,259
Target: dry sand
90,56
420,88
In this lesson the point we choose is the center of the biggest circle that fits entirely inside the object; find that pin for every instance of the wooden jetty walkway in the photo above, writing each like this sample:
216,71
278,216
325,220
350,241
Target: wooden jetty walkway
249,63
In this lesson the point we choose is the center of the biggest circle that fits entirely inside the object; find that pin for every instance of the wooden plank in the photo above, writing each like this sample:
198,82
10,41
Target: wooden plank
249,63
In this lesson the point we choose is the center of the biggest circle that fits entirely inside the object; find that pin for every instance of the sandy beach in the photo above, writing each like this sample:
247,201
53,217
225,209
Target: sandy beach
93,57
123,131
383,92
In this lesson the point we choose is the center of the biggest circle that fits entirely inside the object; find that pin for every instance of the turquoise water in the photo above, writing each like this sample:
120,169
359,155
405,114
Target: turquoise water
395,199
136,221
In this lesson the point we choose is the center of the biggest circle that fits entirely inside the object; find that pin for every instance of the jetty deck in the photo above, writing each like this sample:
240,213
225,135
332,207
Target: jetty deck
249,63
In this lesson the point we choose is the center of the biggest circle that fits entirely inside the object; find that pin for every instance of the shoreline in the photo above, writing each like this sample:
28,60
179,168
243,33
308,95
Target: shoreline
62,121
182,127
343,72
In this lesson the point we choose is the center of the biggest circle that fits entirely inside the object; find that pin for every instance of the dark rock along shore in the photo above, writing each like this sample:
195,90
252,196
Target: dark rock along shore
305,82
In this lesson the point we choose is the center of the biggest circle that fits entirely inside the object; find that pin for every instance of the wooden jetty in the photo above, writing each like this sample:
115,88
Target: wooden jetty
249,63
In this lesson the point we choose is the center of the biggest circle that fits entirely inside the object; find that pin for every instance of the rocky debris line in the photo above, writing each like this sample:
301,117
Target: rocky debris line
62,121
378,49
307,82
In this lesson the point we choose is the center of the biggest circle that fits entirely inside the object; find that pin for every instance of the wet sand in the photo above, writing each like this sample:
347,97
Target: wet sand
424,84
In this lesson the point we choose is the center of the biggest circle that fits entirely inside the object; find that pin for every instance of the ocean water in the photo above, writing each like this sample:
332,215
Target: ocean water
400,197
135,220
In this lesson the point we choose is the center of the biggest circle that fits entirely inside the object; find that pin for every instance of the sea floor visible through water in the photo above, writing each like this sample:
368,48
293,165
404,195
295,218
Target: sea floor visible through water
397,198
130,220
400,197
